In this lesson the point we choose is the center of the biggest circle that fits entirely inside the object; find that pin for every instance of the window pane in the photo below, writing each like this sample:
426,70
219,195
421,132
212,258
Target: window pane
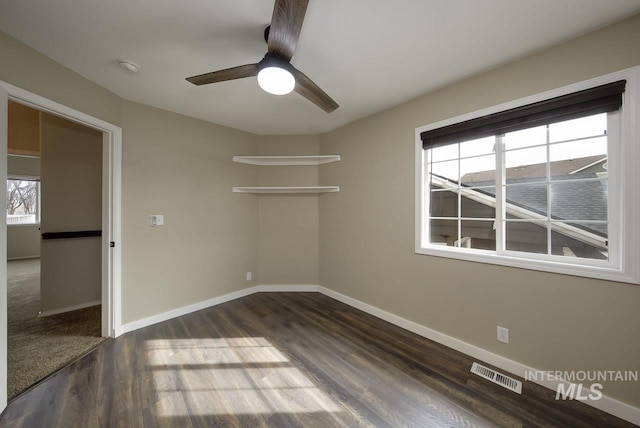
526,200
477,234
444,153
444,232
583,240
578,128
478,171
481,146
445,170
582,156
525,138
579,200
444,204
22,202
527,237
478,203
526,165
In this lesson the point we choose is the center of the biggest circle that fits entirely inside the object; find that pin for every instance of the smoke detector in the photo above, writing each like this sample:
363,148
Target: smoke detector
129,66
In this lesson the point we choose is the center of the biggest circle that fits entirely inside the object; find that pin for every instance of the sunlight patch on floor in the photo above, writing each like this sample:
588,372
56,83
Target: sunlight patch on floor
213,351
246,375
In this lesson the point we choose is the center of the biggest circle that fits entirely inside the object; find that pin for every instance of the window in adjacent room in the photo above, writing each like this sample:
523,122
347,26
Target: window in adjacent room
23,201
541,185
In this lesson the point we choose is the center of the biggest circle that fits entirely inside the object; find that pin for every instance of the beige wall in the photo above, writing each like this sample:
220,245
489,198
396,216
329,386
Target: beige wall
23,166
24,130
71,200
182,168
289,223
71,176
23,241
26,68
556,322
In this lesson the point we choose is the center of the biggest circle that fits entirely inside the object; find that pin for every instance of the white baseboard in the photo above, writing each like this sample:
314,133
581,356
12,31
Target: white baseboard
69,308
610,405
286,288
184,310
606,404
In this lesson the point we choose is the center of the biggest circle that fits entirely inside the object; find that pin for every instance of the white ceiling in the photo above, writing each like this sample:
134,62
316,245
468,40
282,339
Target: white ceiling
368,55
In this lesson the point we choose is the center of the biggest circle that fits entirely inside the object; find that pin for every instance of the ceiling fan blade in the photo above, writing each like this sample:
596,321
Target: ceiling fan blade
286,24
312,92
239,72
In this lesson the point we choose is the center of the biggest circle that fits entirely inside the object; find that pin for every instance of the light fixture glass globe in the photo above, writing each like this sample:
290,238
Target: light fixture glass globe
276,80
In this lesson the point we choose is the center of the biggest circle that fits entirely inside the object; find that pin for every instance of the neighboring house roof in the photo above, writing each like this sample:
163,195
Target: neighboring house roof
585,199
573,200
564,167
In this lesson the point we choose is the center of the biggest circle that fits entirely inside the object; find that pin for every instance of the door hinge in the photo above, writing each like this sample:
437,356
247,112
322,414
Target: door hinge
112,244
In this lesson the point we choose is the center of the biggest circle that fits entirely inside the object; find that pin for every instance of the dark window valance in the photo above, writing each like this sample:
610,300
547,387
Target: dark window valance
601,99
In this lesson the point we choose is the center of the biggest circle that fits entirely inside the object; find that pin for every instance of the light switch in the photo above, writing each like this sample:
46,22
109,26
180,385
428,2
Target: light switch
156,220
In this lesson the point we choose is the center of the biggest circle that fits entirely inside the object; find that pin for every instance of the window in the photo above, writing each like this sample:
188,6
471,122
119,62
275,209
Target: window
542,183
23,201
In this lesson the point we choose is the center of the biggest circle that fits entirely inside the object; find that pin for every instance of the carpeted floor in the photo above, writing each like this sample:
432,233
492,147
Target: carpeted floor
39,346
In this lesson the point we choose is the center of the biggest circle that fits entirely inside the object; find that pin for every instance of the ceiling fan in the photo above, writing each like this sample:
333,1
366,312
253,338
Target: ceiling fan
275,73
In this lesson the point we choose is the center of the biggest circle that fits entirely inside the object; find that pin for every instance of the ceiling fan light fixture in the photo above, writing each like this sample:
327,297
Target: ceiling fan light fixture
275,76
276,80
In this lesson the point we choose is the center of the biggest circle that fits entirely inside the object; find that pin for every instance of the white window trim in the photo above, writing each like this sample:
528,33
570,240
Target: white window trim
624,207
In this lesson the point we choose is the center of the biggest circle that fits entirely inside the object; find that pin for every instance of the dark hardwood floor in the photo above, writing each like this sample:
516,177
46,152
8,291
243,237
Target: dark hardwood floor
280,360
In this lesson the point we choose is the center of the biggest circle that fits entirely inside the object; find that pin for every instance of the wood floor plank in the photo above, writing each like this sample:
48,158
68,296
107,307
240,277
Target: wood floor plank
283,360
399,389
315,370
444,370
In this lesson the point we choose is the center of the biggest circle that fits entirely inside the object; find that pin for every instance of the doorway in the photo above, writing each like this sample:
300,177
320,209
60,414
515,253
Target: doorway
54,216
110,194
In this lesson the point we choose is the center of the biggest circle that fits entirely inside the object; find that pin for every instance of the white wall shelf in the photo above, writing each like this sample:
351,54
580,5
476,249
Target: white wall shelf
287,160
298,189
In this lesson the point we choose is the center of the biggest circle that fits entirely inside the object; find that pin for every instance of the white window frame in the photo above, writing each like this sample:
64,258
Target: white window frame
624,198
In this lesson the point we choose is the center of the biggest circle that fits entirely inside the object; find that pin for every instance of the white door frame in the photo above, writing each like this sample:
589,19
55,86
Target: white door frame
111,222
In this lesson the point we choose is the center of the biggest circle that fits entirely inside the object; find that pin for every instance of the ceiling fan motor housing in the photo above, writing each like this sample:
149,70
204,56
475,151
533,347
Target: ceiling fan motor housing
274,61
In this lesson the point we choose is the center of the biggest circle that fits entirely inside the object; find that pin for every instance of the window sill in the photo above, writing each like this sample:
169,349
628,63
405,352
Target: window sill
23,224
595,269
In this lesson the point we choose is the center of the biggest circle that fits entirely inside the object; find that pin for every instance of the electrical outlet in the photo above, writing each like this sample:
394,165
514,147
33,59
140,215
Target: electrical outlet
248,276
503,334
